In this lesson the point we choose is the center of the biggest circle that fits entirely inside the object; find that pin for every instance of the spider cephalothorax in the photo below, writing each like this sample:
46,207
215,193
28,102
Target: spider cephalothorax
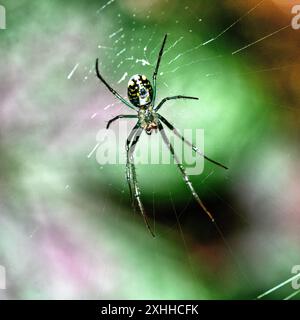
148,119
140,91
142,97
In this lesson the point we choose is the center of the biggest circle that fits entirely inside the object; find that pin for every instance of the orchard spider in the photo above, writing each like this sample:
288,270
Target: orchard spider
142,96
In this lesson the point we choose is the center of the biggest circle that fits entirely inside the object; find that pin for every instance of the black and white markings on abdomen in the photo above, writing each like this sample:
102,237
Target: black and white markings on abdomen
140,92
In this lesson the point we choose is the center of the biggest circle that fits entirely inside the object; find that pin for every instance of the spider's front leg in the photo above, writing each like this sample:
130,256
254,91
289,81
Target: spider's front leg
131,173
172,128
183,172
128,169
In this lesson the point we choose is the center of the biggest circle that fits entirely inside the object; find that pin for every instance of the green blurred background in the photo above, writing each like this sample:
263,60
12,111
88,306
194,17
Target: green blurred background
67,229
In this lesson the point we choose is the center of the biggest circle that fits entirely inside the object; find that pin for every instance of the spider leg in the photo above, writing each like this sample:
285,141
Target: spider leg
183,172
157,66
114,92
173,98
128,169
131,173
172,128
128,116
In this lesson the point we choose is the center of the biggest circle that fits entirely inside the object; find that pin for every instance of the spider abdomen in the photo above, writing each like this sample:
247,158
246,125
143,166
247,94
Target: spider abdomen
140,91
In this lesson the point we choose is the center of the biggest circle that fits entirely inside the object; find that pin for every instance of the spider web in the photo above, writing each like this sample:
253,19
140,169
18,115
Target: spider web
131,46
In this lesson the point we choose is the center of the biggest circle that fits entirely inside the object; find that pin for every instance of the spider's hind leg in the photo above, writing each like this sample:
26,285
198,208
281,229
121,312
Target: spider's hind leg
113,91
161,51
120,116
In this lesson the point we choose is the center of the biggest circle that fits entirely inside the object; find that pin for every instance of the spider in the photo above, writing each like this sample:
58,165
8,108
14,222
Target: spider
142,97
